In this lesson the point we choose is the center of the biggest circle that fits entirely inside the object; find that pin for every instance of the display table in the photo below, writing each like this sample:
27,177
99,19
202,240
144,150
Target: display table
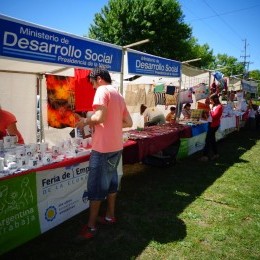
153,139
39,199
199,129
228,122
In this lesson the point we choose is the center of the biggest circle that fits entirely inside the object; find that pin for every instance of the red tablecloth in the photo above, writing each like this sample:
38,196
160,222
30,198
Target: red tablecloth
153,139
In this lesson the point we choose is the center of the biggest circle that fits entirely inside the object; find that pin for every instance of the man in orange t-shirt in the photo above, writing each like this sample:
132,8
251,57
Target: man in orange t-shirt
8,125
110,116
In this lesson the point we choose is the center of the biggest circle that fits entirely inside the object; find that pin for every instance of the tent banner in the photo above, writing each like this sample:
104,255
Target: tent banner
184,148
196,143
140,63
19,220
62,193
26,41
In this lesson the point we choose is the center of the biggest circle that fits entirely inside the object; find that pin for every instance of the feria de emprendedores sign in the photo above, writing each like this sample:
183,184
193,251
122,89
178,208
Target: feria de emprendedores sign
25,41
140,63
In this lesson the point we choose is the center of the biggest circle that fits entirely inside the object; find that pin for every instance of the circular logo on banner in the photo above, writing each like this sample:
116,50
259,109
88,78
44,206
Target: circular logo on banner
50,213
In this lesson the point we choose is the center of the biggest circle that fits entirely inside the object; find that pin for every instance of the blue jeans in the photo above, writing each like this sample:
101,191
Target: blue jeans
103,179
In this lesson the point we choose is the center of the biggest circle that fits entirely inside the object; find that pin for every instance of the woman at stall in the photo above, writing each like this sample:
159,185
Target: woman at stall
214,123
8,125
186,111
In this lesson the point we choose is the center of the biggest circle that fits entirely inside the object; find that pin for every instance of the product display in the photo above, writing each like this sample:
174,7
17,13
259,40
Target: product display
16,158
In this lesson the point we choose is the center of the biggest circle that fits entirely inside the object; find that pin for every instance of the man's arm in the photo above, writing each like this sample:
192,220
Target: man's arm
127,121
97,118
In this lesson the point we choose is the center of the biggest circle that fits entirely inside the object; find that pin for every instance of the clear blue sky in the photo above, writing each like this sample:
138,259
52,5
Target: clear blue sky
223,24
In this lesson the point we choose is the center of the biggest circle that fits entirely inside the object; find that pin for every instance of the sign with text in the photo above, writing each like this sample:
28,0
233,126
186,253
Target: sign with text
25,41
19,221
140,63
62,193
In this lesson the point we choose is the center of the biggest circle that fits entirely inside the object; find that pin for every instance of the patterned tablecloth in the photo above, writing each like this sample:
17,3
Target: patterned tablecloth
153,139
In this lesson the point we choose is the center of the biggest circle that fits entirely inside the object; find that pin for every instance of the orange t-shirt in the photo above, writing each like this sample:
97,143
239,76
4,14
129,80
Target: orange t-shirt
6,119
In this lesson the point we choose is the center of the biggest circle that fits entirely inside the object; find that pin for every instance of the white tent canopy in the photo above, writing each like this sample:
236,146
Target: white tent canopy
29,51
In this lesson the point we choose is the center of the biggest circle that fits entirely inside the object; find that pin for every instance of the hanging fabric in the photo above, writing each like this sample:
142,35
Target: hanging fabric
131,95
185,96
61,101
171,99
150,100
201,91
84,91
159,98
159,88
141,94
170,90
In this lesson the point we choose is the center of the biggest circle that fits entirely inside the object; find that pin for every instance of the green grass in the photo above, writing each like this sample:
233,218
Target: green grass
192,210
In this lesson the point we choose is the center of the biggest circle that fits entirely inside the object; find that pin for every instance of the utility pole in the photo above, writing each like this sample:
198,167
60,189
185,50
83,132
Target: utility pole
245,62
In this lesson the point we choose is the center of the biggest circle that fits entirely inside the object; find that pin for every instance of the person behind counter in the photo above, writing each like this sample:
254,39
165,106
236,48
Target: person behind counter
171,116
186,111
8,125
214,123
152,115
109,117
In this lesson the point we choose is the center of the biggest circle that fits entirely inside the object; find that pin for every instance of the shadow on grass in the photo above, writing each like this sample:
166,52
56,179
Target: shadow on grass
148,206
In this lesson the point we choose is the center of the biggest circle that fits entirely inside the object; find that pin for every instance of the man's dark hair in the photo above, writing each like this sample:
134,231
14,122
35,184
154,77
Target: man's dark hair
102,72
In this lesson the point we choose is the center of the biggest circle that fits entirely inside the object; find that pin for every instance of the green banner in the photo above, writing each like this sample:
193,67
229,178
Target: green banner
183,150
19,220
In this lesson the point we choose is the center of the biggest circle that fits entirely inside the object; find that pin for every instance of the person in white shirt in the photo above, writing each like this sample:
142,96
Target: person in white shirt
152,115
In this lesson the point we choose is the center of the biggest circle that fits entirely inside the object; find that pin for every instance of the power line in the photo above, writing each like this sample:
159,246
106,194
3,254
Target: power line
222,14
245,62
211,28
231,28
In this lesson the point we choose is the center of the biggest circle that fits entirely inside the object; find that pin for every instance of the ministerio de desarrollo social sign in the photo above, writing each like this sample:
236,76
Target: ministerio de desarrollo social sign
20,40
140,63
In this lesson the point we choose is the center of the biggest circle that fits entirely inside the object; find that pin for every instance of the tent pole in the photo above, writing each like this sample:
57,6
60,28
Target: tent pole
178,107
209,80
42,137
122,72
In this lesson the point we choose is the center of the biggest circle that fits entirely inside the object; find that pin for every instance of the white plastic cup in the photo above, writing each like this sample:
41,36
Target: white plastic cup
7,141
33,147
12,165
29,150
84,142
55,150
43,147
19,151
1,145
21,161
47,158
32,162
13,140
2,165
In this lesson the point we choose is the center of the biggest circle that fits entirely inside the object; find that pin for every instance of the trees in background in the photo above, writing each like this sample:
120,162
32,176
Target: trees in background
123,22
228,65
161,21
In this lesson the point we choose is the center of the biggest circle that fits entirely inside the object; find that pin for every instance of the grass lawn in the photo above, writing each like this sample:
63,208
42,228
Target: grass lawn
192,210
